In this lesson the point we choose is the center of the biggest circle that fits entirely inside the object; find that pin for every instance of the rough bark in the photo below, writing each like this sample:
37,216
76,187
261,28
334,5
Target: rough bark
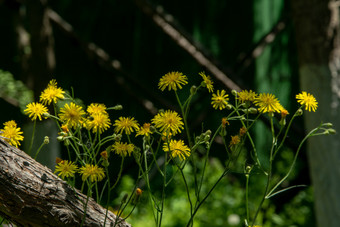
31,195
317,37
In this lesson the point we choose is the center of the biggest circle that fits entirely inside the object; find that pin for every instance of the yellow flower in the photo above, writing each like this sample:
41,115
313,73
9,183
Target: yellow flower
123,149
72,115
96,108
35,110
11,133
144,130
93,172
168,122
307,100
224,122
246,96
172,80
268,103
234,140
126,124
207,82
177,149
51,93
220,100
98,122
65,169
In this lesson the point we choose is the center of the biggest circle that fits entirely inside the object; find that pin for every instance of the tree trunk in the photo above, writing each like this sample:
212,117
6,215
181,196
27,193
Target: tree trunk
31,195
317,37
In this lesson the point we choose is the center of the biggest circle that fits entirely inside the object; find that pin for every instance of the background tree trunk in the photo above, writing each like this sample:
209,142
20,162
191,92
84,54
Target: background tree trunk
31,195
317,35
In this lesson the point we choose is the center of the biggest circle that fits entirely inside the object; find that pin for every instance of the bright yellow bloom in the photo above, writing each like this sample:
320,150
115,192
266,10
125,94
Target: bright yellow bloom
123,149
246,96
11,133
207,82
98,122
177,149
34,110
51,93
72,115
11,123
220,100
144,130
93,172
307,100
268,103
172,80
126,124
168,122
96,108
66,169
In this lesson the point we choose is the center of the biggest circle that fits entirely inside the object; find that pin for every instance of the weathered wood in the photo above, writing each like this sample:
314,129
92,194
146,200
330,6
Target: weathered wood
31,195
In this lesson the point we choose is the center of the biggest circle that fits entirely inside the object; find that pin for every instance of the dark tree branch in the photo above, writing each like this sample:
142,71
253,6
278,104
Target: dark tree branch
187,43
31,195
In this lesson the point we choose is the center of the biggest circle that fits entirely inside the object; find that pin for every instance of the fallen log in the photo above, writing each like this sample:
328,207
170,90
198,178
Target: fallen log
32,195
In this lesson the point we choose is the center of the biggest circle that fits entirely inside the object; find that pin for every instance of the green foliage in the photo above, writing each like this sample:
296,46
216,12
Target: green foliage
14,91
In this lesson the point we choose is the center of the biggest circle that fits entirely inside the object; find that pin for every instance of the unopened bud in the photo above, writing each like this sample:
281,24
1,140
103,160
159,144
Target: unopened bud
193,89
299,112
252,110
46,140
328,124
234,92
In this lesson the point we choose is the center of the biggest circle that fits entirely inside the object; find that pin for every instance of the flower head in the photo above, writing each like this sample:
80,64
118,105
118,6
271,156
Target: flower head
207,82
268,103
177,149
219,100
307,100
51,93
34,110
96,108
172,80
11,133
126,124
123,149
246,96
72,115
144,130
93,172
98,122
66,169
168,122
234,140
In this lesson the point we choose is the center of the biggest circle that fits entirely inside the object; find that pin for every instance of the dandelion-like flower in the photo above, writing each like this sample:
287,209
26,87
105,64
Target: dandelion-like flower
11,133
207,82
66,169
144,130
123,149
35,110
168,122
72,115
51,93
177,149
172,80
126,124
246,96
307,100
220,100
98,122
268,103
93,172
96,108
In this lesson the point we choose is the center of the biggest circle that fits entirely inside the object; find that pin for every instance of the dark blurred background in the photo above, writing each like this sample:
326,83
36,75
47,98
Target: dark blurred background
114,52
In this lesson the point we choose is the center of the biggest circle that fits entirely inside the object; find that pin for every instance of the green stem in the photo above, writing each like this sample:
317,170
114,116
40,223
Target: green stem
32,138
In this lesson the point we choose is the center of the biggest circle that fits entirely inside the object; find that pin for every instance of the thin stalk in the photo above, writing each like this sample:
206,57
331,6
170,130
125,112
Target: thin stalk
32,139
